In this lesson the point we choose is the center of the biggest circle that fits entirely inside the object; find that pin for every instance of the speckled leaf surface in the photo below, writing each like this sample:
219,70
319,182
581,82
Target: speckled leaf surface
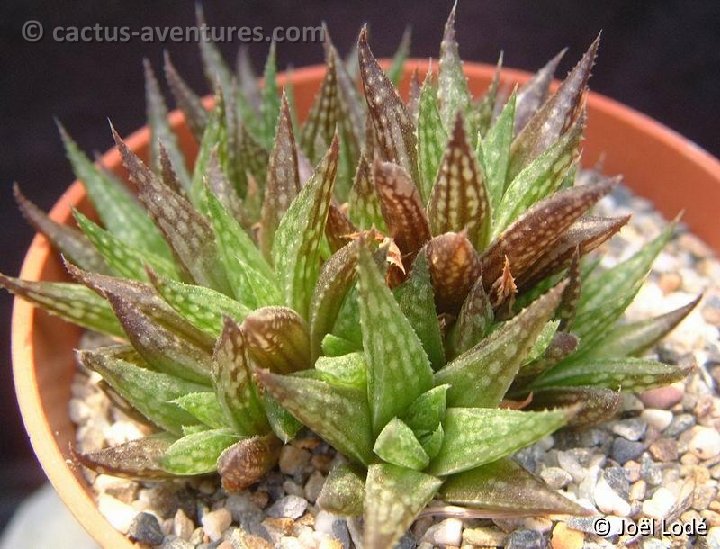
188,102
204,407
197,453
397,444
247,461
277,339
472,323
343,491
452,85
495,152
454,267
136,459
431,138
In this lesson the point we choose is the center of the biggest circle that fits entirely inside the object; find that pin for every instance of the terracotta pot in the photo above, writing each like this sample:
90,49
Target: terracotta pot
657,163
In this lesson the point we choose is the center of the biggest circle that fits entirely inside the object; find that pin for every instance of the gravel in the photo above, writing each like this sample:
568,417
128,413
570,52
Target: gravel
659,459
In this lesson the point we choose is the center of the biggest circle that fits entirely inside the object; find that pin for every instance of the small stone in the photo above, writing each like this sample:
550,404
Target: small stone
312,487
525,539
659,506
702,497
616,479
637,491
333,525
293,460
171,542
680,424
660,419
712,517
713,538
183,527
484,536
322,463
556,478
705,443
216,522
284,525
569,462
651,472
582,524
260,498
292,488
663,398
670,282
447,532
566,538
289,506
664,450
145,528
117,513
624,450
608,500
689,459
633,471
631,429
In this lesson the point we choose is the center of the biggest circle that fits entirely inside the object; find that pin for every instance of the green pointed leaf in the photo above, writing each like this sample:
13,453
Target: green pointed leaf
459,199
202,307
481,376
337,346
555,116
187,101
618,374
160,131
571,296
117,207
475,436
393,498
431,138
283,180
397,444
395,70
365,211
454,268
473,323
413,102
540,178
68,241
632,338
402,209
343,491
453,91
495,148
204,407
72,302
560,347
481,116
339,414
281,421
428,410
235,390
395,139
398,368
347,369
210,142
215,69
188,233
150,393
297,240
534,92
247,79
528,238
123,259
251,278
505,489
270,105
417,302
137,459
198,453
247,461
225,192
596,404
277,339
543,341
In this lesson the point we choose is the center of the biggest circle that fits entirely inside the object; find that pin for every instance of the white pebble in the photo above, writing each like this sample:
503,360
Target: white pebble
705,443
120,515
216,522
660,419
183,527
608,500
447,532
659,506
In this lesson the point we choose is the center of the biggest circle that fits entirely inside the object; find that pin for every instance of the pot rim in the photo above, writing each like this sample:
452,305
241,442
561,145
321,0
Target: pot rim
52,458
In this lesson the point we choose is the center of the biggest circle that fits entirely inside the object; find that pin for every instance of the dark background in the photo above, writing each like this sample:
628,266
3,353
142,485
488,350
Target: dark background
660,57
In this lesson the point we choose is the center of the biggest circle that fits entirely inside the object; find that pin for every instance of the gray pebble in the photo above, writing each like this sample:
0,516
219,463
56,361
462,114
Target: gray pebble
680,424
525,539
624,450
172,542
288,507
631,429
555,477
651,472
145,528
616,479
583,524
654,543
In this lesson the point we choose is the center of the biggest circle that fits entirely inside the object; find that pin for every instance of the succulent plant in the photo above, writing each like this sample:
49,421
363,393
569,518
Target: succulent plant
423,299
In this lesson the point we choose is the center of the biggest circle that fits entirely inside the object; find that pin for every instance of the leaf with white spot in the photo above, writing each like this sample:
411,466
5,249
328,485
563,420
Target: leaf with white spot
595,404
197,453
534,92
150,393
343,491
365,210
137,459
338,227
417,302
187,101
270,100
297,240
540,178
626,374
247,461
116,206
459,199
454,267
495,149
395,139
204,407
68,241
72,302
210,143
398,368
234,387
225,192
283,180
431,137
475,436
393,498
427,412
123,259
504,489
453,92
481,376
339,414
277,339
473,322
347,369
481,116
397,444
202,307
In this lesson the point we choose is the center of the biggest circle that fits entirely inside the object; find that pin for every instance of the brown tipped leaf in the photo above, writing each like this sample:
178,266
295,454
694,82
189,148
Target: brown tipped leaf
188,102
365,210
137,459
453,90
277,339
454,267
473,322
596,403
247,461
339,227
535,92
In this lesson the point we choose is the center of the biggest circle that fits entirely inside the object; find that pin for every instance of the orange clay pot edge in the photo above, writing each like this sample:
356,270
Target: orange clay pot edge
39,411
